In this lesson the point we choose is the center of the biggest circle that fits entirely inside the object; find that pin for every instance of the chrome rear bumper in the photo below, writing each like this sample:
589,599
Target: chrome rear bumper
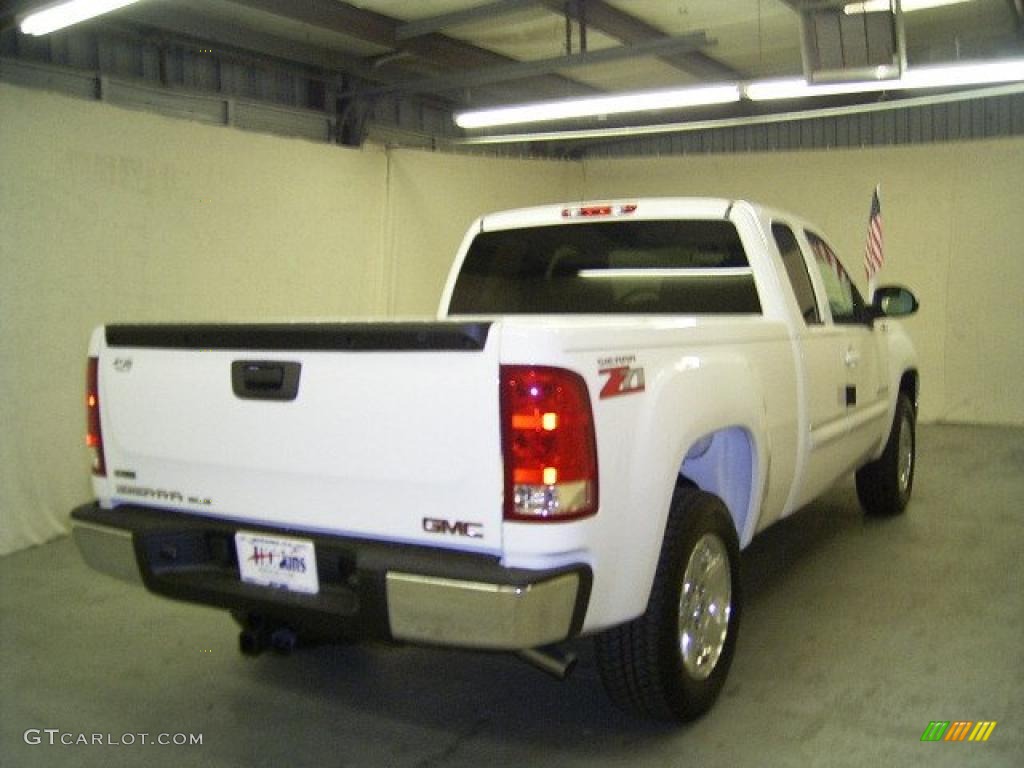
107,550
479,615
389,591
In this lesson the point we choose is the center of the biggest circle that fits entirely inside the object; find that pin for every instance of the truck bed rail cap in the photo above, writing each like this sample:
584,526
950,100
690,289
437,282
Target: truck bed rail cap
355,337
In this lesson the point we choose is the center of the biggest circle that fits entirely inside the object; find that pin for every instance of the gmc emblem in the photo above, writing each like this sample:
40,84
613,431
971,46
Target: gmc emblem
456,528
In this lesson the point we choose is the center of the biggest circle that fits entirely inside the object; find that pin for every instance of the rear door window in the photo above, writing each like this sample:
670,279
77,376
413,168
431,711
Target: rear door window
796,270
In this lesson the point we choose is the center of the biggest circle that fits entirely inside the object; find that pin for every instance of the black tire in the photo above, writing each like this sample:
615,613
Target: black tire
884,486
642,663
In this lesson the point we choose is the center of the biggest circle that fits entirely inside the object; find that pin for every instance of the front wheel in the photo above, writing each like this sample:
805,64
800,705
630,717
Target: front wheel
884,485
671,662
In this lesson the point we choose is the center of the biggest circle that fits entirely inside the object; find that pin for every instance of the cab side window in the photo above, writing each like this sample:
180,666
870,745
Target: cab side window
796,269
843,298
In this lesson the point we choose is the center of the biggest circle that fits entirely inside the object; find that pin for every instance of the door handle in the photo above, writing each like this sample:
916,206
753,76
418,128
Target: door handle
265,380
262,376
851,358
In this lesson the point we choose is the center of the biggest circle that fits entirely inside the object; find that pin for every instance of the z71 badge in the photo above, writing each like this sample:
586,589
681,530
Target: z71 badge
622,379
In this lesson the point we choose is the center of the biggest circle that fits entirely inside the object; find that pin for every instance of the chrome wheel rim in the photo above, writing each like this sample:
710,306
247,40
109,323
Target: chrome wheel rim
905,467
705,604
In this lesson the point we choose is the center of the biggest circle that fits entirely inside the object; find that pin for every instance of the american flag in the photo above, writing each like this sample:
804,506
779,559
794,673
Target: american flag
874,255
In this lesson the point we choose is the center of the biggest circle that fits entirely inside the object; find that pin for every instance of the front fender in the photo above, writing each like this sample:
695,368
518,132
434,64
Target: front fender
902,359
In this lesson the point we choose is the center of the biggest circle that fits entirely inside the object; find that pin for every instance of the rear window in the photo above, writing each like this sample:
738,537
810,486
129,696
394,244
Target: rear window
635,267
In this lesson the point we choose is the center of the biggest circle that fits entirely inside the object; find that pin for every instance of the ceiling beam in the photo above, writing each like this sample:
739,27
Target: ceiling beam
814,5
521,70
381,30
162,18
599,15
442,21
799,6
334,16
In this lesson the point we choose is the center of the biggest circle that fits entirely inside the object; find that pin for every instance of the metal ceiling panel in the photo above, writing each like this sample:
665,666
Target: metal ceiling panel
529,35
758,37
520,70
975,30
247,17
411,10
537,34
635,74
631,30
492,11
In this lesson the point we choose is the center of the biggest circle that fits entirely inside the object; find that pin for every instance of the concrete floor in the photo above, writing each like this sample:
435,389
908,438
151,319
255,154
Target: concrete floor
857,634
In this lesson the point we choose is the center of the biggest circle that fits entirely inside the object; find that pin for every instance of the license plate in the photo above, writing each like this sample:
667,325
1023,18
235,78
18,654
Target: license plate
277,561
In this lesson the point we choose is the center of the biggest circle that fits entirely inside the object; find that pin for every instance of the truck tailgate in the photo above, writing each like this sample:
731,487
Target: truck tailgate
391,432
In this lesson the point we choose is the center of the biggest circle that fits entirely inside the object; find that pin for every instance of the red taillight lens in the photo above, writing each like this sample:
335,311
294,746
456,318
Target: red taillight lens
548,444
93,436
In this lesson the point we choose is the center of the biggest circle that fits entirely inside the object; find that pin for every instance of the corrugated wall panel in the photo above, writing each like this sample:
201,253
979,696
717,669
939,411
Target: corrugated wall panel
204,109
981,118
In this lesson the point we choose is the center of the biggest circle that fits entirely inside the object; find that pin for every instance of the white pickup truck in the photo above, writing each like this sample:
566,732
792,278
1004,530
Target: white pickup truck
614,399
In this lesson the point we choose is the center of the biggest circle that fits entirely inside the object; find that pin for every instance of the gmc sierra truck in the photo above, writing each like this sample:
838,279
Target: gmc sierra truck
614,398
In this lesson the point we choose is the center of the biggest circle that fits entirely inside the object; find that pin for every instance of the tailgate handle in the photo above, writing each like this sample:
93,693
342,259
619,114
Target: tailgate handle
265,380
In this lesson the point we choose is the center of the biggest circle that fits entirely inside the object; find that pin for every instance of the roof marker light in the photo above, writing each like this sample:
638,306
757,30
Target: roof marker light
588,211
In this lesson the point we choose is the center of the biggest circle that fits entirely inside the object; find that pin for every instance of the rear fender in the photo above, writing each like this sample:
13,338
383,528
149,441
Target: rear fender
717,444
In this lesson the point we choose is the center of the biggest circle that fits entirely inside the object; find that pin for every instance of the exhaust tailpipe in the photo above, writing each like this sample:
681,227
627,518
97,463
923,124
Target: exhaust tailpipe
551,659
253,642
261,633
283,640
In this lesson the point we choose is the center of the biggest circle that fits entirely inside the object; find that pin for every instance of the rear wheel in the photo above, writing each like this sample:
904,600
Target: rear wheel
884,486
671,662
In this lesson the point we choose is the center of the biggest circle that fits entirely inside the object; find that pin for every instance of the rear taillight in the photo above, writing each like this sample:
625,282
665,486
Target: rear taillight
93,435
548,444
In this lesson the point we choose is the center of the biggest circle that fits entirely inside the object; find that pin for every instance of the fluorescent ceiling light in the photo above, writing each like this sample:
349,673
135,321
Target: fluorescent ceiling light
65,14
798,88
1006,71
874,6
772,118
953,76
642,101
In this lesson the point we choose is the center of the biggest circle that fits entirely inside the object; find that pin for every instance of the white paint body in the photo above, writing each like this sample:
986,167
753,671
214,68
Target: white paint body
377,441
